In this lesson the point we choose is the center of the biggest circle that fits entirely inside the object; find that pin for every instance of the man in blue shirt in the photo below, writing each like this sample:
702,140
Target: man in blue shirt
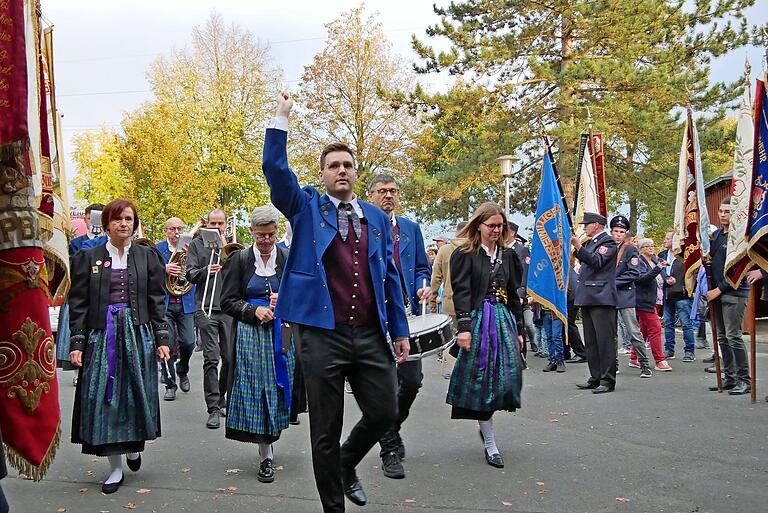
413,266
179,313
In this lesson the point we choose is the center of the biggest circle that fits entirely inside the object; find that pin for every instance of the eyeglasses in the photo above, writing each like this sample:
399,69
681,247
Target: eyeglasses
175,229
264,236
493,227
384,192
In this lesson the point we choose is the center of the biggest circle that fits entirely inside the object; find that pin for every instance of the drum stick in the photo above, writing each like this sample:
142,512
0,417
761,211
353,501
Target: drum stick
423,301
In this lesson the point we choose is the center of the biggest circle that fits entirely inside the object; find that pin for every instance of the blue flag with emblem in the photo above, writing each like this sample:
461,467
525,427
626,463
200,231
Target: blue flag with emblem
758,218
550,248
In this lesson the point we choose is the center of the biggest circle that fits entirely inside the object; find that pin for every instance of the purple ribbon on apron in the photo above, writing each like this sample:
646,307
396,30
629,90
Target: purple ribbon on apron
488,333
111,348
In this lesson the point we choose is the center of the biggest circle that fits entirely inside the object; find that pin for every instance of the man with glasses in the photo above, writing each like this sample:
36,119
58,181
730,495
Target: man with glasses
413,266
597,297
179,313
341,292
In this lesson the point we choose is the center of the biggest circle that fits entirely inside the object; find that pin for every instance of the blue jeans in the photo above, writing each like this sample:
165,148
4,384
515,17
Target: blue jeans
541,337
681,307
183,330
553,327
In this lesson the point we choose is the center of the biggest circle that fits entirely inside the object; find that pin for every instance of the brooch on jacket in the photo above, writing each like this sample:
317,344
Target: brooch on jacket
501,294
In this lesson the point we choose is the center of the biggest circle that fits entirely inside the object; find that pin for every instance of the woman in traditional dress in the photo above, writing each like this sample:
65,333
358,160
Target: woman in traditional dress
485,277
118,331
260,395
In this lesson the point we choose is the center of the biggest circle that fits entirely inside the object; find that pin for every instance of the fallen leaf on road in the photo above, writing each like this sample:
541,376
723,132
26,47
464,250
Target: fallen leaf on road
410,501
505,503
61,510
553,420
233,470
143,490
543,492
83,490
563,413
540,483
221,489
622,499
130,505
232,488
185,469
90,472
278,468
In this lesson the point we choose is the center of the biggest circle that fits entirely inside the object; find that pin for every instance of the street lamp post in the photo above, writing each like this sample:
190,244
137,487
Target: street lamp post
507,164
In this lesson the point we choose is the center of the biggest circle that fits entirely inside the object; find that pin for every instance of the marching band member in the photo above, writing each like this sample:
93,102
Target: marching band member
118,329
216,330
341,289
264,360
179,313
488,373
412,264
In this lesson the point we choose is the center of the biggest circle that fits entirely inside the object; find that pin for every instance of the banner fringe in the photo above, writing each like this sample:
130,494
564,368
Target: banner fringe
26,467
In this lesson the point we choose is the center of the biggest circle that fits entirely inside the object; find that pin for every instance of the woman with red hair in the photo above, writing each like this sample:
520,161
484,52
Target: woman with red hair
118,331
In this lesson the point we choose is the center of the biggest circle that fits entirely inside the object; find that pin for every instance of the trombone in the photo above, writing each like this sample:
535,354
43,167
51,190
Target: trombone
212,239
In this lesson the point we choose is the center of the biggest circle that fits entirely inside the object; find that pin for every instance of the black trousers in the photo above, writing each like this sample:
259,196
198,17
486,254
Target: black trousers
218,345
574,337
359,354
600,343
409,378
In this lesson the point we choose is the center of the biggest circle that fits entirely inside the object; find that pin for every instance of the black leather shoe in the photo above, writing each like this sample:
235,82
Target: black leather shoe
560,366
401,450
112,487
266,471
711,359
602,389
170,394
726,386
134,465
392,466
184,383
740,389
352,487
713,370
586,386
214,420
576,359
494,460
551,367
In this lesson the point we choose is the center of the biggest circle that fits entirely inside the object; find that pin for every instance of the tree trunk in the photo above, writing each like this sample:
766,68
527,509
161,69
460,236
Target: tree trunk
632,197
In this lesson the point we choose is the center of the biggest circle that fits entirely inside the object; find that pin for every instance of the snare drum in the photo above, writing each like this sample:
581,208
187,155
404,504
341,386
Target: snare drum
430,334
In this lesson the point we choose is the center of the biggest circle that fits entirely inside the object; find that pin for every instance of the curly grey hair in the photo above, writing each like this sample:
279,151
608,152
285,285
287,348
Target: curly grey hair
264,215
645,242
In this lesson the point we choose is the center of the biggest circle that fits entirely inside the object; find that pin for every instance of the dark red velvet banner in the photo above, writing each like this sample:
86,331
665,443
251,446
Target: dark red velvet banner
13,80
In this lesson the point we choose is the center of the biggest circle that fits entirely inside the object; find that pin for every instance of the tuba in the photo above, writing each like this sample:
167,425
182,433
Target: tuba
179,285
231,235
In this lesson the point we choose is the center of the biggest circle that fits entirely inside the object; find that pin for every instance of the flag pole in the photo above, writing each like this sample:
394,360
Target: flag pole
753,340
713,325
557,179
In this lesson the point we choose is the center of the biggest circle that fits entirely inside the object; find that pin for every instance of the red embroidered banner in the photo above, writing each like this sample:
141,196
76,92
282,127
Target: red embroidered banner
13,80
596,149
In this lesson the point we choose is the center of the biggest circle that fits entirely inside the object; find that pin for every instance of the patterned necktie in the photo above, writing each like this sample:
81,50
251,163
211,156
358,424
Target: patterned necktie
346,212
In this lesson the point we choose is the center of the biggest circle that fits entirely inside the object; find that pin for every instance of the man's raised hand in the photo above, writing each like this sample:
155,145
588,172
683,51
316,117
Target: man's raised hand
284,104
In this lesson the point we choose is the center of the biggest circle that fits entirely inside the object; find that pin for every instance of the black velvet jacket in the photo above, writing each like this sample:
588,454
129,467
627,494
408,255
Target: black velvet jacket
470,279
89,295
237,272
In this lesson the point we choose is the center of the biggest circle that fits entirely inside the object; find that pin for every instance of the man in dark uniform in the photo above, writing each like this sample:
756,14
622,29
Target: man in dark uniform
627,271
574,337
596,295
517,243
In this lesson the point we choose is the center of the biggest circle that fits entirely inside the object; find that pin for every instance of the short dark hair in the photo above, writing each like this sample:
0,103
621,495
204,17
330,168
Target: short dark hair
115,207
335,147
93,206
726,200
381,178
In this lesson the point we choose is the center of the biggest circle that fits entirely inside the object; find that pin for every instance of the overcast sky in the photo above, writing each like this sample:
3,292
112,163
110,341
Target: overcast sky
102,50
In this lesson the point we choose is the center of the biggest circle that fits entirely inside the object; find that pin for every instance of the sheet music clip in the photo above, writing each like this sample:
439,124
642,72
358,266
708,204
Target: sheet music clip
211,238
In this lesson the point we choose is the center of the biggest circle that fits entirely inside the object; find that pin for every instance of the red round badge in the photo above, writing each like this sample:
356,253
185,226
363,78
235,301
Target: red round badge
107,263
603,250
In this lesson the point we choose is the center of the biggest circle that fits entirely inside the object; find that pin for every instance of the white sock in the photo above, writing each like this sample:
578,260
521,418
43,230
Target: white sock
133,455
486,428
115,469
265,451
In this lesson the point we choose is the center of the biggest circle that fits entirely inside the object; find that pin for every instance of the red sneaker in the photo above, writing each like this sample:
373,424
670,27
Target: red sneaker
663,366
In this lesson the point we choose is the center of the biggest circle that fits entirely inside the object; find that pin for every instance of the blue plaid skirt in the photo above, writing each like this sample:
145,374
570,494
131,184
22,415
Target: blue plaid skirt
489,376
119,422
257,411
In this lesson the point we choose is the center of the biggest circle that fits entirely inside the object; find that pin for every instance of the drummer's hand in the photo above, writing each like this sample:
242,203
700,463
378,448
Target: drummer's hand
464,340
402,348
264,314
76,358
164,353
425,294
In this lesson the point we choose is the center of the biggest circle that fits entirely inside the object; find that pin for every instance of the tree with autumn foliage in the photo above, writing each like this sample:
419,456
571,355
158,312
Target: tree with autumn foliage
343,97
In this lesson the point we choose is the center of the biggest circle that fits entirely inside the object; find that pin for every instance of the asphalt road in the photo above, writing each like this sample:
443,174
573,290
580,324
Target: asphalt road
664,444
